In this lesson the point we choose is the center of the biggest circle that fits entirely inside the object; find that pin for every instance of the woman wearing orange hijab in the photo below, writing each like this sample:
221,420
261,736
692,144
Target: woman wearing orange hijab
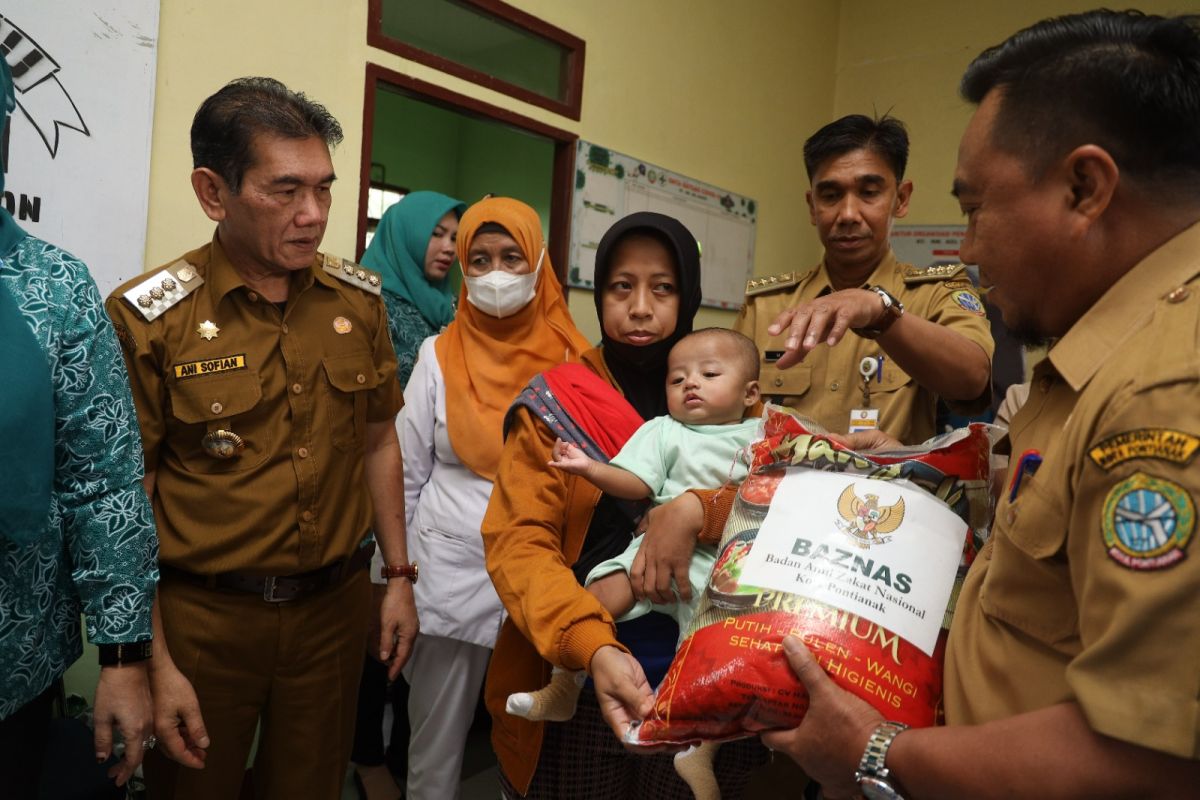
512,324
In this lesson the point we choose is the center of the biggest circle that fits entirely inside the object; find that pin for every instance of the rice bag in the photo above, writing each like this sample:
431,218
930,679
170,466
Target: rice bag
858,555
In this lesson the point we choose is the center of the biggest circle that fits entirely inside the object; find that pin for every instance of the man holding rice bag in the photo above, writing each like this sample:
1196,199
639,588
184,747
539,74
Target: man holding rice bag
1071,666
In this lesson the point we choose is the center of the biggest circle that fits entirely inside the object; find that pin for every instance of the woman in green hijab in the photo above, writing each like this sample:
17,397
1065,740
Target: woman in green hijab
413,249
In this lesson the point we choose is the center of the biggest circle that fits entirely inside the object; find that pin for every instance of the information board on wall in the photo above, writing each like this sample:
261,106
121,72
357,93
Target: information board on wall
76,149
610,185
927,245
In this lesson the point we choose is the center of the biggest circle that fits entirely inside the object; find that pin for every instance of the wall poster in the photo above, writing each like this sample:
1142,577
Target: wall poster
76,149
927,245
610,185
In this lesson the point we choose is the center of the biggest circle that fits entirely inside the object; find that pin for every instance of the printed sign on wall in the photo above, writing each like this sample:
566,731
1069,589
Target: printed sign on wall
76,149
610,185
927,245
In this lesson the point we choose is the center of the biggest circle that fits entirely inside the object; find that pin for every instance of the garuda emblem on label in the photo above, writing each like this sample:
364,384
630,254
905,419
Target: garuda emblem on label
865,521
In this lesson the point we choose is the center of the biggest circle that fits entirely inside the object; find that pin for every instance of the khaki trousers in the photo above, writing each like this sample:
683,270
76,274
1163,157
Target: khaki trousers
292,666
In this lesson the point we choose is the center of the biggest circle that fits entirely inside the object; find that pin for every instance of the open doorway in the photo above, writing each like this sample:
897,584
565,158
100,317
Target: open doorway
420,136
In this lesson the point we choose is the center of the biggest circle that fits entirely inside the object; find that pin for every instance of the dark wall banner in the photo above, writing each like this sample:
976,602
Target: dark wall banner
76,149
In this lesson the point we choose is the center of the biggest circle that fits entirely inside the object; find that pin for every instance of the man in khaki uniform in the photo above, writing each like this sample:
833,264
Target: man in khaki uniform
265,387
918,333
1071,669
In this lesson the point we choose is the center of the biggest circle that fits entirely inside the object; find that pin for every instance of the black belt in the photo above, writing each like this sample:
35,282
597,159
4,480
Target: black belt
278,588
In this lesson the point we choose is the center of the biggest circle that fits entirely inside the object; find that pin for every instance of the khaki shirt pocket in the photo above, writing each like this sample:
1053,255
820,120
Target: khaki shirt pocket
893,380
785,385
200,406
351,377
1028,582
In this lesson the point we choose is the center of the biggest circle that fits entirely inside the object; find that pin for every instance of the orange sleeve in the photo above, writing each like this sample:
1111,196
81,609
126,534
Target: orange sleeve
718,503
536,515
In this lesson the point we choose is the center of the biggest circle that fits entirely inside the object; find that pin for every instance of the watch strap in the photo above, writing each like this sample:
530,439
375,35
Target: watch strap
409,571
872,765
125,652
893,309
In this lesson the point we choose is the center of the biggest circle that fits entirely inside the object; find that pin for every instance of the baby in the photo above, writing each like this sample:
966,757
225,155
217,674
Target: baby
712,379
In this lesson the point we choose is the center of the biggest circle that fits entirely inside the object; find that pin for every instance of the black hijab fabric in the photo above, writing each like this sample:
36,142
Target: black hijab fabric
641,372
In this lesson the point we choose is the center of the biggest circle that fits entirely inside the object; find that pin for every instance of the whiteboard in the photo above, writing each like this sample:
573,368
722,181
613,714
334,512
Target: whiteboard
610,185
78,149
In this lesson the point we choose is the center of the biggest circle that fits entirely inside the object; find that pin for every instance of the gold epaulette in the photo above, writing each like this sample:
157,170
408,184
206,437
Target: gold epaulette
354,274
941,272
163,289
756,286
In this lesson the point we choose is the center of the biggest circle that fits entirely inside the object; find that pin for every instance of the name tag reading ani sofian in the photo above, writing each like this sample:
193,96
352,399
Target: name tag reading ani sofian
878,549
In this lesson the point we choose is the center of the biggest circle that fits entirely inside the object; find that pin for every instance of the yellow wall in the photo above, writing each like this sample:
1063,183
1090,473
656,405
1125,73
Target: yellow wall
908,59
708,88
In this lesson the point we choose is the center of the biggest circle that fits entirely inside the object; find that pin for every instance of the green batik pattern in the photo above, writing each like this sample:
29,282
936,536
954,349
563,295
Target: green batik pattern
407,329
99,554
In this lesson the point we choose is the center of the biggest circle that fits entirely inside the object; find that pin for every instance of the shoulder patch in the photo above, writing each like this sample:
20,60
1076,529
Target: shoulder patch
1148,522
353,274
1163,444
163,289
967,300
941,272
787,280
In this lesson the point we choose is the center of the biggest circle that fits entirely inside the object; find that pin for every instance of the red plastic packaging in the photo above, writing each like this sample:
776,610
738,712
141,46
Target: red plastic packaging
730,678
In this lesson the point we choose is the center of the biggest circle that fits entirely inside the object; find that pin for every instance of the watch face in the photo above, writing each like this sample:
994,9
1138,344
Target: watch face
878,789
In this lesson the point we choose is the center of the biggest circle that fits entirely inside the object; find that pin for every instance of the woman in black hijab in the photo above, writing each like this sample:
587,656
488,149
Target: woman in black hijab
544,530
641,369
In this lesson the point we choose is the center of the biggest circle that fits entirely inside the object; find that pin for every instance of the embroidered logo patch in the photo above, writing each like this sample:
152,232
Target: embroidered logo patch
969,302
1148,522
210,366
1161,443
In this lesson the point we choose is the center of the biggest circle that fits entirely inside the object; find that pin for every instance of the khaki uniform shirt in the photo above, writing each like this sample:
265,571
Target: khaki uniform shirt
827,385
298,386
1089,588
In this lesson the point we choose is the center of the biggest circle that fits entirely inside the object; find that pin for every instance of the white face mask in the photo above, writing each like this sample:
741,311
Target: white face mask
501,294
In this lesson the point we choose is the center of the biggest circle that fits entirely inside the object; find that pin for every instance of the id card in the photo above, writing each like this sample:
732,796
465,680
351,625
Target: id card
864,419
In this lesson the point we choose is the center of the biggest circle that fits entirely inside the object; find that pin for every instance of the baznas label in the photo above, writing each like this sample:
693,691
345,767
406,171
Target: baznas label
882,550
